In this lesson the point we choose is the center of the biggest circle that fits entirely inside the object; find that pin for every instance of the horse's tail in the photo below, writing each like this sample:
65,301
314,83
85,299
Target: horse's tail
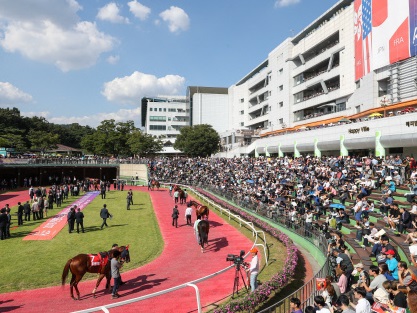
65,271
204,230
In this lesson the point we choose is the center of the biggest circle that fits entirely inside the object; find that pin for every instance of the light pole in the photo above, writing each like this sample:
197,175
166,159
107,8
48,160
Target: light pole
384,102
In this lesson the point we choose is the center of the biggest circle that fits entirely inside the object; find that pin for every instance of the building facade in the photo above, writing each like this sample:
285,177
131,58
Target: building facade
355,62
163,117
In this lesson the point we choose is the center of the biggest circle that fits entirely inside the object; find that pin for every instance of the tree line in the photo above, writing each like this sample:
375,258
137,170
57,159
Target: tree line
110,138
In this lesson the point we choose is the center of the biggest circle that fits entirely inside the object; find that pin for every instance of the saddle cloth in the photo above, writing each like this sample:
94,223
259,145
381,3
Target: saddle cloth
99,259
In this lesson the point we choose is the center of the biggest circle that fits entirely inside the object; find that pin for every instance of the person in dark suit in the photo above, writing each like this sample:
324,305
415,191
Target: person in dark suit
175,214
3,223
103,190
71,220
79,219
27,210
104,214
404,221
20,211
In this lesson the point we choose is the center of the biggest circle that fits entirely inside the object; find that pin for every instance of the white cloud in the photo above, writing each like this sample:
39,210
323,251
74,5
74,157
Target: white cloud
60,12
11,95
111,13
285,3
139,10
130,89
122,115
176,18
113,59
52,35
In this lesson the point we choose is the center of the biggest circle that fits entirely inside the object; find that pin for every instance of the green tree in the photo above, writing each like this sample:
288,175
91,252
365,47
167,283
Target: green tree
71,134
110,138
199,140
42,140
144,144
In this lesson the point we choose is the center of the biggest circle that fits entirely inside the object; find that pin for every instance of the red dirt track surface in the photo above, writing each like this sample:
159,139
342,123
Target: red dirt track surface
181,261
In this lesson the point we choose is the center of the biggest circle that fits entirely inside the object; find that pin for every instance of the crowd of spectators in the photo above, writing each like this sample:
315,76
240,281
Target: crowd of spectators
312,193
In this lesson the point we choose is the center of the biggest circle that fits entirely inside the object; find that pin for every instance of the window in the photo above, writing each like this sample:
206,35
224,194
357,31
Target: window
242,100
242,112
298,79
160,109
169,127
165,109
242,124
298,97
358,84
281,121
150,109
172,110
157,127
281,104
169,119
281,88
157,118
280,71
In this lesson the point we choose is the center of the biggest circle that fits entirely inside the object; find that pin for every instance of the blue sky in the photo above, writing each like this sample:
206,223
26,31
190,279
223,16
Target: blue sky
84,61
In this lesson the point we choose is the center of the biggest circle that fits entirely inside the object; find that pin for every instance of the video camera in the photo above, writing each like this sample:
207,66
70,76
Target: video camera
236,259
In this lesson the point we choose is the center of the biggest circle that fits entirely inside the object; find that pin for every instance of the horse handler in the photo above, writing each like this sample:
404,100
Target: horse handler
188,212
115,273
196,229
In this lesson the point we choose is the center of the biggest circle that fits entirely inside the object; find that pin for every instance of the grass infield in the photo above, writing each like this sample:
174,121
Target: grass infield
34,264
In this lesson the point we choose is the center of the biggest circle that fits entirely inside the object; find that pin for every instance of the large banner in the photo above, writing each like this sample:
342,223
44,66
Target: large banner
50,228
385,33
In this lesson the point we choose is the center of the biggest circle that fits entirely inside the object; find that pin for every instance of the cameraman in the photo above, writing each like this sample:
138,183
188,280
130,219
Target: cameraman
253,269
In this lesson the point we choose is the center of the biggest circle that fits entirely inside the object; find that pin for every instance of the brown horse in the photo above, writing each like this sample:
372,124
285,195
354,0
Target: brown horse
91,263
203,231
181,194
155,183
200,210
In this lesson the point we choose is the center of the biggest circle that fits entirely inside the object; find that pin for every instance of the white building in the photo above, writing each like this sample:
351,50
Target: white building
163,117
208,105
296,97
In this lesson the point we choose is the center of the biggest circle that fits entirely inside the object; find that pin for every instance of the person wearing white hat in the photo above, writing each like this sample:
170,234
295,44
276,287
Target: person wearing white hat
363,275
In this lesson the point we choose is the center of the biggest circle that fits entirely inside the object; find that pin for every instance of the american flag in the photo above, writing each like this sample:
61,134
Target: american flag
367,34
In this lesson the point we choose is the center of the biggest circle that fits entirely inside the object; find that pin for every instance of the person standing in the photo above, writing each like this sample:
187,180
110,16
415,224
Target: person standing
176,195
175,214
128,200
253,269
188,212
197,236
20,211
104,214
79,219
26,209
3,223
35,210
41,204
131,196
71,220
115,265
9,220
103,190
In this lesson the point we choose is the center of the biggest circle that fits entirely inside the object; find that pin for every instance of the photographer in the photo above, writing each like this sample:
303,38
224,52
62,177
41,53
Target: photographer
253,269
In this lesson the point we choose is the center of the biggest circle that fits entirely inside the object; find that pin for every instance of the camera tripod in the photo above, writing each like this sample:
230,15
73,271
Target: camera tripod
238,269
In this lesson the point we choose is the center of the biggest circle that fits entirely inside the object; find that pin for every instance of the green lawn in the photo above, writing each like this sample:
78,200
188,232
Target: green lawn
32,264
